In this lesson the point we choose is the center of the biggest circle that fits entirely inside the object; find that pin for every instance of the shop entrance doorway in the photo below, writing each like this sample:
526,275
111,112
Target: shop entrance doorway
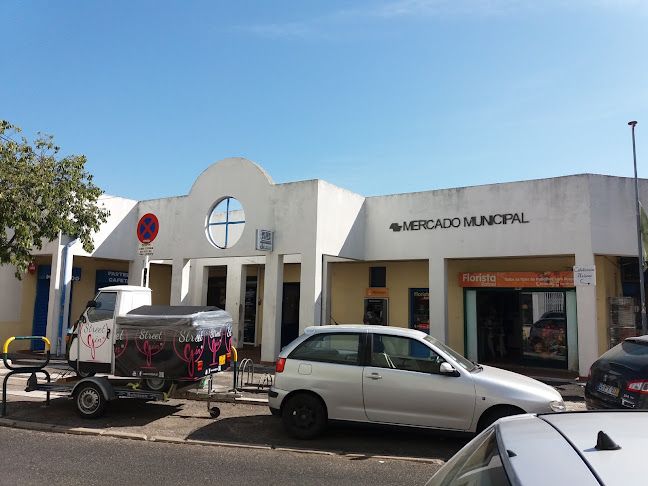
290,313
521,327
250,313
499,332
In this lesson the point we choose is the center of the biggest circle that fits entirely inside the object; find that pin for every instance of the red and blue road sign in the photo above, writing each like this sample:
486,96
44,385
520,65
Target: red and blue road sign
147,228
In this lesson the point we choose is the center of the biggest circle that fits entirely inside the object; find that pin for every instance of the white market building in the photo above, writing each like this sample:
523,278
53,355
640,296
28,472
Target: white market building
487,269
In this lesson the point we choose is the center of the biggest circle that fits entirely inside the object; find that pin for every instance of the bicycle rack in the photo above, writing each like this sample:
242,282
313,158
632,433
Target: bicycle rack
246,370
23,369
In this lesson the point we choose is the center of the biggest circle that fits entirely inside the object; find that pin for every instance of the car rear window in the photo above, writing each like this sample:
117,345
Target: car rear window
627,348
635,348
341,348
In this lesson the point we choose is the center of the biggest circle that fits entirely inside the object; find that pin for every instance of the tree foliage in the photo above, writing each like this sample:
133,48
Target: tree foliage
42,196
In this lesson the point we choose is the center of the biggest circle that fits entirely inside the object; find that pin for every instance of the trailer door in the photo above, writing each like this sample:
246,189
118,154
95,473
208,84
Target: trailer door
95,333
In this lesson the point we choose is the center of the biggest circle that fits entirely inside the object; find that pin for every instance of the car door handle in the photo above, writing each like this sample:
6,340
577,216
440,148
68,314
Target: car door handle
374,376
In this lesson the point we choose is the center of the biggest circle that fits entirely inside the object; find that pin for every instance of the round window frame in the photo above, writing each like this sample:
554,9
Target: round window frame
227,223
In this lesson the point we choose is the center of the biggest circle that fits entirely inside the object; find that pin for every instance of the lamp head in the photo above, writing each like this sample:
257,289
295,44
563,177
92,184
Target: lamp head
632,123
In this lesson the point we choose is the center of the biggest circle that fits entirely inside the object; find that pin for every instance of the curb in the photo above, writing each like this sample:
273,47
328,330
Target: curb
123,435
59,429
559,381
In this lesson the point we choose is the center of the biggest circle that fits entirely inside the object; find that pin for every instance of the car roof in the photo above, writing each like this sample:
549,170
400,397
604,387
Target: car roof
562,447
125,288
366,328
638,338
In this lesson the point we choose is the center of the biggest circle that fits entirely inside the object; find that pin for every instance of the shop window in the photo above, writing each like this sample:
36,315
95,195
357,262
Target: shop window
377,277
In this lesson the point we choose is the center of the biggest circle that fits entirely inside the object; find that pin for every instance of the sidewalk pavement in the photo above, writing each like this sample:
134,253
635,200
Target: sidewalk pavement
244,421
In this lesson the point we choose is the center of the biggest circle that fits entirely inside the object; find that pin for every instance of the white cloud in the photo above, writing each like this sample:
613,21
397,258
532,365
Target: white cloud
320,26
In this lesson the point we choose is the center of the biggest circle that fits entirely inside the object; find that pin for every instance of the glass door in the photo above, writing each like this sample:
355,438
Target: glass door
249,320
544,328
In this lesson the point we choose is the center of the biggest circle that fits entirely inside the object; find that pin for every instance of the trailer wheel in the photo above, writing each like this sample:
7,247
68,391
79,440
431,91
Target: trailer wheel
90,401
157,384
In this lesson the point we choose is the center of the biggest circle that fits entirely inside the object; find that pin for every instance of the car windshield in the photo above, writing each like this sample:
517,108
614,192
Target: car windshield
478,463
465,363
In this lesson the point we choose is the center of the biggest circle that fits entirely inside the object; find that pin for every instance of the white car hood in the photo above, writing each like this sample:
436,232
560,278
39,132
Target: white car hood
495,381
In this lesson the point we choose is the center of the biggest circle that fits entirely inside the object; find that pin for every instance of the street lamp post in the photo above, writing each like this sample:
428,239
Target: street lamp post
642,291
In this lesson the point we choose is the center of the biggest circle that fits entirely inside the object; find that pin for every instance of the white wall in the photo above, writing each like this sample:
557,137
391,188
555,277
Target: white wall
556,211
613,214
340,222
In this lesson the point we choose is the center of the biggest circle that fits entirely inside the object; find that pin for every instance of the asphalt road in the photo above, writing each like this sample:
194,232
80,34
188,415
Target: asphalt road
36,458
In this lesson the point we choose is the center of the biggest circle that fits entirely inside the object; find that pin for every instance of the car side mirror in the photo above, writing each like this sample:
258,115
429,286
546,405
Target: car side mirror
447,369
91,303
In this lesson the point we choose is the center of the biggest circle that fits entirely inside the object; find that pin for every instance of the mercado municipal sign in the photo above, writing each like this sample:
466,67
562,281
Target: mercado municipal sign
457,222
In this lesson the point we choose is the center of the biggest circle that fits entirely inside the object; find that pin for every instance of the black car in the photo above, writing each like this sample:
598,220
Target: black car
548,338
619,378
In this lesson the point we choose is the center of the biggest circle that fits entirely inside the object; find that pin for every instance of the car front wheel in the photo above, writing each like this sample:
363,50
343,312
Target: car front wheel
304,416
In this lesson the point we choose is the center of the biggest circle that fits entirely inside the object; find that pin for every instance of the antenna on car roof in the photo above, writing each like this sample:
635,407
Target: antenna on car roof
605,443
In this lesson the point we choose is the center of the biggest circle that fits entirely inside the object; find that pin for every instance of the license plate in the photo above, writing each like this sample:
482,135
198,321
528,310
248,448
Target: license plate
608,389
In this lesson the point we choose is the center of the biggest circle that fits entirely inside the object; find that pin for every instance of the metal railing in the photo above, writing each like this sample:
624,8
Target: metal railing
23,369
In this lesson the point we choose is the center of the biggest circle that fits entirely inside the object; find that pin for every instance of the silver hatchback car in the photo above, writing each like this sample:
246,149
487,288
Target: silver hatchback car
574,448
389,375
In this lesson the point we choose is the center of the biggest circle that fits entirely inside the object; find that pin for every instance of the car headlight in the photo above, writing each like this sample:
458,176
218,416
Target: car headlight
557,406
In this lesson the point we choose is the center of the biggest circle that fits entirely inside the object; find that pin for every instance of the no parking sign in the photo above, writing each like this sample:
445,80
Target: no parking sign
147,228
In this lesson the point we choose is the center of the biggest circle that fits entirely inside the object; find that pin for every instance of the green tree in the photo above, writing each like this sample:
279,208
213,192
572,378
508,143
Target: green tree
42,196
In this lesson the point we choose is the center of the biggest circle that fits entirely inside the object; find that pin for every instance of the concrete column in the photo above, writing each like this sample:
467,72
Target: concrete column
198,277
62,324
180,273
310,291
272,301
587,320
326,291
235,299
56,283
438,298
136,270
203,278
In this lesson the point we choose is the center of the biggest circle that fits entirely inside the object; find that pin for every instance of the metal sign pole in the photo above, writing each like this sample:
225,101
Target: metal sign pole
145,272
642,290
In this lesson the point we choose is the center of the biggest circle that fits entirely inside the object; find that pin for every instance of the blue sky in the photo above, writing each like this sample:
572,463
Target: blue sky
378,97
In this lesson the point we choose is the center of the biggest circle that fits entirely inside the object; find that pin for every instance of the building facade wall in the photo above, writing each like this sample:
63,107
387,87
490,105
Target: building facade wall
350,281
160,284
326,238
17,307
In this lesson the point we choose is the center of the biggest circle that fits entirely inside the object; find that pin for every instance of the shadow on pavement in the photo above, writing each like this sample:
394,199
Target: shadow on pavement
361,439
61,411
